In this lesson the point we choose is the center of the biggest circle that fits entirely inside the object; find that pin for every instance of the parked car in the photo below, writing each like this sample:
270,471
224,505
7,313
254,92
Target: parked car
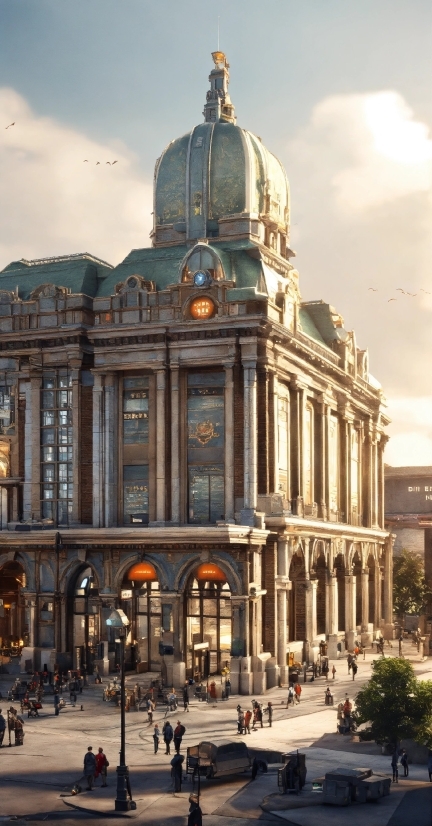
218,759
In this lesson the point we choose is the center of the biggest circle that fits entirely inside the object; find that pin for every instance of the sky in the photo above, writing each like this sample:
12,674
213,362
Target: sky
339,90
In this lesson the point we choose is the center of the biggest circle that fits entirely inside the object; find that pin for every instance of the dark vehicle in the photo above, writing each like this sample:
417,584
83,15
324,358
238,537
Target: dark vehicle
218,759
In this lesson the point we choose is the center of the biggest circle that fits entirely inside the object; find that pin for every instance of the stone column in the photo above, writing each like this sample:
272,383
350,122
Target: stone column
296,439
229,443
63,615
31,615
175,444
322,447
332,620
350,610
76,450
32,447
368,479
365,599
160,446
282,557
282,633
377,607
360,520
240,625
274,480
345,475
374,483
311,610
98,457
250,443
388,588
110,451
381,493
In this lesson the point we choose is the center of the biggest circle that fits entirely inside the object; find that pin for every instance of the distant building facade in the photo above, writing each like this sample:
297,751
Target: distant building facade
184,438
408,510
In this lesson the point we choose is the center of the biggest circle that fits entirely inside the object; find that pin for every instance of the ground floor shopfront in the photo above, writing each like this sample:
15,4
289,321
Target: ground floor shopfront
197,599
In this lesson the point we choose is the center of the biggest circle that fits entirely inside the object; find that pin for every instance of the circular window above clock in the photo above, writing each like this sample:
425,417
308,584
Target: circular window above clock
201,278
202,307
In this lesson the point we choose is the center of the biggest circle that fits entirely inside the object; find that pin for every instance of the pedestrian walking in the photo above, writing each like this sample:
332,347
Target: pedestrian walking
334,672
178,736
290,698
168,735
2,728
56,702
177,771
156,738
394,765
258,716
269,711
240,720
72,691
186,697
101,766
247,721
349,662
89,768
297,692
354,668
404,762
195,813
150,709
429,765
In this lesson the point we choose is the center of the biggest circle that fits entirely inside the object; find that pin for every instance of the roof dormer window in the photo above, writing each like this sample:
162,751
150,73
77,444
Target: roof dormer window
202,266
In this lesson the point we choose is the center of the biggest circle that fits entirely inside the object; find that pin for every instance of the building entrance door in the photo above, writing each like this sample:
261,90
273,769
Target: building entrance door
13,631
208,621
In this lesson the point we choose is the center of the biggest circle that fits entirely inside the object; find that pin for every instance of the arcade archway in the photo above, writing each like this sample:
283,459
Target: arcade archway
208,621
13,631
297,598
84,626
140,599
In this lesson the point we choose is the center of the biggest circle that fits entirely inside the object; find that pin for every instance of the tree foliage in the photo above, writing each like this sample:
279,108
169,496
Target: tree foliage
394,704
410,591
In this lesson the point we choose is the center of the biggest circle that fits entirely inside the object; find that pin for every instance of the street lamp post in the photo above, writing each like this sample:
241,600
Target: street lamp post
123,801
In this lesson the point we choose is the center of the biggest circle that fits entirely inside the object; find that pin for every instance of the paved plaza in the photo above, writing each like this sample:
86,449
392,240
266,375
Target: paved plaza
36,778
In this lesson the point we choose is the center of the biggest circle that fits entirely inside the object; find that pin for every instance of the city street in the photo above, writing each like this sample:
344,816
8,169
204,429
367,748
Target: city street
36,779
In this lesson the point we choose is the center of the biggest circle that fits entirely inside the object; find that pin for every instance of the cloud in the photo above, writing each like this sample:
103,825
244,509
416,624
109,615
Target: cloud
410,431
361,192
52,203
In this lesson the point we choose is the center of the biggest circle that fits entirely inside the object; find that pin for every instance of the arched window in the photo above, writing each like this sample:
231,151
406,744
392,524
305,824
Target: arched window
202,259
208,621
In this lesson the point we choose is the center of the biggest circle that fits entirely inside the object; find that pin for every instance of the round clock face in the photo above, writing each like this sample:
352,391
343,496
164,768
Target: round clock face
201,278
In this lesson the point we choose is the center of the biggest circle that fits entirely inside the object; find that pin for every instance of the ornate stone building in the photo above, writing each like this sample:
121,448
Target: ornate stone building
183,437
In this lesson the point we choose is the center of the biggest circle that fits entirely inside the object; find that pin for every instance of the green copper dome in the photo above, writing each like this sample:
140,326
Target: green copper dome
219,179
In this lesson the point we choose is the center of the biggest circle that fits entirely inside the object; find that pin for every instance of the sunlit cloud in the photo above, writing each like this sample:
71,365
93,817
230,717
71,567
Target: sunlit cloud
53,202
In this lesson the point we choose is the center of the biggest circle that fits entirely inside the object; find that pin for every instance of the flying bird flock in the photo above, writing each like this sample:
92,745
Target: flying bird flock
111,163
403,292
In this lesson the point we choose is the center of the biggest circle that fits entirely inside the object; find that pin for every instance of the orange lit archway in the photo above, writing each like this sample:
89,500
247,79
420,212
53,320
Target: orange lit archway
142,572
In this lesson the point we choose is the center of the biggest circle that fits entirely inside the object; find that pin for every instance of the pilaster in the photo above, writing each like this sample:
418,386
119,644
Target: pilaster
229,442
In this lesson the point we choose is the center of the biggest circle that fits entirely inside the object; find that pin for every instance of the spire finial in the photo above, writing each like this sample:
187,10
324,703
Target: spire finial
218,106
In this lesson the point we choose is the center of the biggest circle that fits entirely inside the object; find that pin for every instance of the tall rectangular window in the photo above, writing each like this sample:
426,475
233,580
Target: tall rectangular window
206,444
354,469
56,447
283,424
334,462
7,410
135,446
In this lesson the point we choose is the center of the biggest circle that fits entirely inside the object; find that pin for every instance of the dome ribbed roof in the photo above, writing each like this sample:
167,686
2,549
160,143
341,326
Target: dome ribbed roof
218,170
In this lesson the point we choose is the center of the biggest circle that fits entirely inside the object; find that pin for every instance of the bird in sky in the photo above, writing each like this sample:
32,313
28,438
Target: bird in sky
114,163
108,162
425,291
400,290
373,289
97,163
86,161
392,299
413,295
11,124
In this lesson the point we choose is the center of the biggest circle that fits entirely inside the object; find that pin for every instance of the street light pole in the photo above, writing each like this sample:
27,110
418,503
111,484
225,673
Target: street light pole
123,802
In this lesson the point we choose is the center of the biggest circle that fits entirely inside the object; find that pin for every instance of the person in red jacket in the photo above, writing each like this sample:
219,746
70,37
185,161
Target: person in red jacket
101,766
297,691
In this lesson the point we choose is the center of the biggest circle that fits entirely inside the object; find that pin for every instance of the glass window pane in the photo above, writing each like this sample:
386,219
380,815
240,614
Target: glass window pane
48,473
210,631
135,494
225,607
47,510
210,607
48,436
225,634
48,454
217,505
48,381
48,399
193,607
65,417
63,473
48,417
65,454
48,491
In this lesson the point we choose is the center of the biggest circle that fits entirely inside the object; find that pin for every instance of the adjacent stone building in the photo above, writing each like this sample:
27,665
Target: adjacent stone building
184,438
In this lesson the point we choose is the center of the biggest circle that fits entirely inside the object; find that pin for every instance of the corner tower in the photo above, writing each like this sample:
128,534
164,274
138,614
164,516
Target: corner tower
220,181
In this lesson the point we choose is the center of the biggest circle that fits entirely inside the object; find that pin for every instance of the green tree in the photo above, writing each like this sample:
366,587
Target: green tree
394,704
410,591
